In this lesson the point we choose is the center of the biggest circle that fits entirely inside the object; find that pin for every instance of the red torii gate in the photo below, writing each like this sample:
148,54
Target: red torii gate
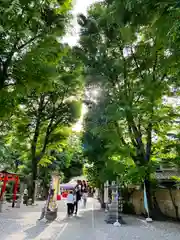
5,177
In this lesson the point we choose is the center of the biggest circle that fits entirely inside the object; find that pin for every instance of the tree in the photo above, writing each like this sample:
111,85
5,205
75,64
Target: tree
70,160
105,159
23,25
30,32
43,120
40,85
9,160
132,64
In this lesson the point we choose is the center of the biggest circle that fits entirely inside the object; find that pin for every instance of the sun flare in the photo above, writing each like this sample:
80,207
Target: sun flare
78,127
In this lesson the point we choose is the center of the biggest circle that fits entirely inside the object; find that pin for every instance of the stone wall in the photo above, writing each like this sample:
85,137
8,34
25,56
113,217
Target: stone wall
163,198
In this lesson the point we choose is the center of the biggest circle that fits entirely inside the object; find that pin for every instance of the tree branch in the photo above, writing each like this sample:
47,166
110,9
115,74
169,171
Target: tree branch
163,76
131,136
137,134
6,64
48,131
29,41
149,141
136,63
50,126
154,66
149,133
37,128
126,84
119,133
121,138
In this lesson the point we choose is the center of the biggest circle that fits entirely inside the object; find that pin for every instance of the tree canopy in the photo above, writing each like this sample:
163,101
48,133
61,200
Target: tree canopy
129,50
125,68
29,33
41,87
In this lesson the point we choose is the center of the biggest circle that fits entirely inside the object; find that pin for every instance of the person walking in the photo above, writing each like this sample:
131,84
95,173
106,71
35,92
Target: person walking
25,197
84,193
70,203
77,196
84,186
84,197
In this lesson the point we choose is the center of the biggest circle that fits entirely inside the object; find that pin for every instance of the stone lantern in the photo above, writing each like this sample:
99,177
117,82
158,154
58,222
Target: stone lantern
114,213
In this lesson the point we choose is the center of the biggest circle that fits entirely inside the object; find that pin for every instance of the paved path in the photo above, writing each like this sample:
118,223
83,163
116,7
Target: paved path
23,224
88,225
91,226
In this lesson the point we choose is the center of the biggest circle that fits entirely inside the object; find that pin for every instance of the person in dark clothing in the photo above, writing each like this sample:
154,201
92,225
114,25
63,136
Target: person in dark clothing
78,196
84,186
25,197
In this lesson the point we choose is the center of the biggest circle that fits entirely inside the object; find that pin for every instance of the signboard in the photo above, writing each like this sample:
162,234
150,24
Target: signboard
55,184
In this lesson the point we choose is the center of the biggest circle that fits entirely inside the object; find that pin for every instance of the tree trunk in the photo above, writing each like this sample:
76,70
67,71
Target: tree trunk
101,196
35,159
33,180
45,191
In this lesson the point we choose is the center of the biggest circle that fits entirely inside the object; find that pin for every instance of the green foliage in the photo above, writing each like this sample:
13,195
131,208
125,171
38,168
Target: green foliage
91,174
73,170
73,158
40,89
28,47
127,52
43,120
8,158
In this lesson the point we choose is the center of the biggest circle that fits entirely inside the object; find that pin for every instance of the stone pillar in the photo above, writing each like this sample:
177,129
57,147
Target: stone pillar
113,216
1,203
1,207
19,200
36,188
106,195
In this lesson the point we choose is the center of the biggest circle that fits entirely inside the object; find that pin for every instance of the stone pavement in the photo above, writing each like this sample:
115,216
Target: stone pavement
23,224
91,225
88,225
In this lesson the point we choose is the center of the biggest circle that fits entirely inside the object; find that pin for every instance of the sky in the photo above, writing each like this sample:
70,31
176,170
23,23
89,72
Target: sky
80,6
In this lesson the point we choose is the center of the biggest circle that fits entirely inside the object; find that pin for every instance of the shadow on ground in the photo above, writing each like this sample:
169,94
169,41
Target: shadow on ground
35,231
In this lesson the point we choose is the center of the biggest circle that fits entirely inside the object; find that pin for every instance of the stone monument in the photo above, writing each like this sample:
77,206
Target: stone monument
113,216
20,199
106,195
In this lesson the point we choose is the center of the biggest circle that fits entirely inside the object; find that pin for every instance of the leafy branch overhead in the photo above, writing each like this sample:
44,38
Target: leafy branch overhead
126,52
29,47
23,26
41,87
42,120
125,67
